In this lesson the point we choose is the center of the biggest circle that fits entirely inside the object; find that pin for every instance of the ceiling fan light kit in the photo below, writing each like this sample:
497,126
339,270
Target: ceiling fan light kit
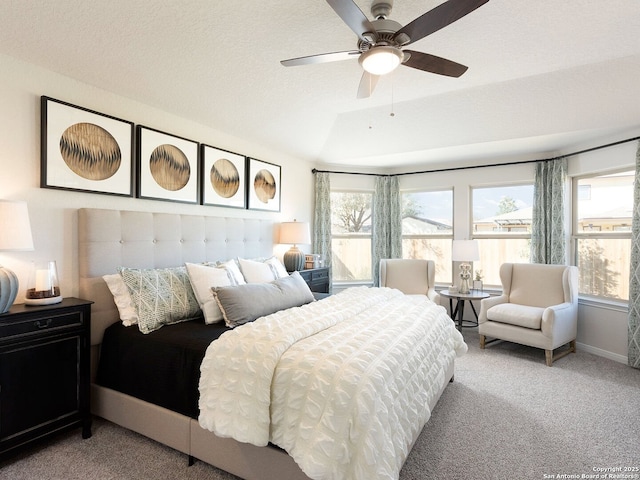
381,60
380,42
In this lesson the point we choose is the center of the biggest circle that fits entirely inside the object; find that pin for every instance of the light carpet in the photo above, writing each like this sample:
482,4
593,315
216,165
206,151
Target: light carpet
506,416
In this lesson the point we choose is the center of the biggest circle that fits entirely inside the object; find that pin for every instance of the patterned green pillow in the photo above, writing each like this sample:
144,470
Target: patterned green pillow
161,296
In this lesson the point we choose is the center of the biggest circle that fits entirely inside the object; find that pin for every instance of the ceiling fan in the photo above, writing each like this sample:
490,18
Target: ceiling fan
381,41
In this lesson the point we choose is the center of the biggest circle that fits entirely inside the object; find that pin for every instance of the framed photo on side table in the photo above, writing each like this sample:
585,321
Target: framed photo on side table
167,166
224,179
263,183
84,150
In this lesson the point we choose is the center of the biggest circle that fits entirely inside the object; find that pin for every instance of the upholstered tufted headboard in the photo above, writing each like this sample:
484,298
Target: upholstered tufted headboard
108,239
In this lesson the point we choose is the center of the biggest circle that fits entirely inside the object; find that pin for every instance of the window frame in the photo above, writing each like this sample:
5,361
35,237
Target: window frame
576,235
432,236
496,235
479,236
352,236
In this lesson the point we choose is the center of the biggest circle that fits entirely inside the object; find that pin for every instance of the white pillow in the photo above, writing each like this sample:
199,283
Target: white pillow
262,271
203,278
122,299
256,272
232,268
277,267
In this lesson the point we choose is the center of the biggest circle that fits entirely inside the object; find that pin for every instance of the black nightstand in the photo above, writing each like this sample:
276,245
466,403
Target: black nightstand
44,372
317,279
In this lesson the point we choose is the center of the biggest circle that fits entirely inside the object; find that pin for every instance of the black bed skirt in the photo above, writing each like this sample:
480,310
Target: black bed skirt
162,367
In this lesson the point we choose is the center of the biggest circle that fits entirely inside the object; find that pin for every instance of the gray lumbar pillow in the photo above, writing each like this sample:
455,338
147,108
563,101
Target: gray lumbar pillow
244,303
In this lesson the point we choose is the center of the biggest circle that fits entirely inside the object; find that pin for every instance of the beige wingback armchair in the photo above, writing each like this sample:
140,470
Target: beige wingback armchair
410,276
538,307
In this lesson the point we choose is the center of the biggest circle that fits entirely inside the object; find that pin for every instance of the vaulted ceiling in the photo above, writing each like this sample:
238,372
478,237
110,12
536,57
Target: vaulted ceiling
543,75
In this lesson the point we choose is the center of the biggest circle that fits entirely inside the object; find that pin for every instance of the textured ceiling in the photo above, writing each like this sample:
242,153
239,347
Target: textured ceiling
543,75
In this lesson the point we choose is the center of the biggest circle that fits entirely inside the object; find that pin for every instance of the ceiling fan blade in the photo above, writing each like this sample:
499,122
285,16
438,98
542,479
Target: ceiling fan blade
441,16
351,14
321,58
368,83
433,64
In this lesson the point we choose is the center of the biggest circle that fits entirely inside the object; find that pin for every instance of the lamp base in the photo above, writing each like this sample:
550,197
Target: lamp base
293,259
8,289
465,277
464,287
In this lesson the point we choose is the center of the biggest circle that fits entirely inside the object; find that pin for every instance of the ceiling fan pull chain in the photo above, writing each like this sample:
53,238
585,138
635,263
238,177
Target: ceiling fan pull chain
392,114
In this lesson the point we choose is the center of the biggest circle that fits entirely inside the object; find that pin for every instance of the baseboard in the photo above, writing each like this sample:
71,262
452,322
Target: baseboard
602,353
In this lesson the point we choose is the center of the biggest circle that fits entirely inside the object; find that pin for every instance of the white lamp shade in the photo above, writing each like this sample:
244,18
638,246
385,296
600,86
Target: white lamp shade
15,228
295,233
465,251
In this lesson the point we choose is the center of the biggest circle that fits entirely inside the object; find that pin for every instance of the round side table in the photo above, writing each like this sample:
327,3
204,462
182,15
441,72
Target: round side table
460,299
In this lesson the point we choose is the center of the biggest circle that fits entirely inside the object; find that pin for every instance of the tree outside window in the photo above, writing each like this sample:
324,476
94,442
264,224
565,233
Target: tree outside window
351,236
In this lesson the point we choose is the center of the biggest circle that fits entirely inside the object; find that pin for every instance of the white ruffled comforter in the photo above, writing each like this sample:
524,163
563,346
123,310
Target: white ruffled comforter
342,384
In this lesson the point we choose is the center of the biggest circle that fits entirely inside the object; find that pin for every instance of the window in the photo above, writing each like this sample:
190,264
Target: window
502,226
351,236
602,234
427,229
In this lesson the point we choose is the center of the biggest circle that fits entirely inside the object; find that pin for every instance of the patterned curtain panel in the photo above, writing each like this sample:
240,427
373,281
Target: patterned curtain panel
634,280
547,225
387,223
322,219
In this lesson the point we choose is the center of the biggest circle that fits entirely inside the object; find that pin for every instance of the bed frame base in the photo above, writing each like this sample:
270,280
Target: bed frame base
185,435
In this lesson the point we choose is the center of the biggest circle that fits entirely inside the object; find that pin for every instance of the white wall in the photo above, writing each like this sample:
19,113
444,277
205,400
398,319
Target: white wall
53,212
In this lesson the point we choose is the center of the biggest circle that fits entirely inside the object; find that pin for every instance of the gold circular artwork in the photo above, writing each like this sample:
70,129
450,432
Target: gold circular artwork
264,185
169,167
90,151
225,178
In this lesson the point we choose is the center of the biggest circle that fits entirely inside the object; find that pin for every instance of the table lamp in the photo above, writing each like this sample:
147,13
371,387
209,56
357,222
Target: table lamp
15,235
294,233
465,251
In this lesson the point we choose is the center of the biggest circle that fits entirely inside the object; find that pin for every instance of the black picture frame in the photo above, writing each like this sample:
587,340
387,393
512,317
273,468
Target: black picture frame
84,150
223,177
167,167
263,185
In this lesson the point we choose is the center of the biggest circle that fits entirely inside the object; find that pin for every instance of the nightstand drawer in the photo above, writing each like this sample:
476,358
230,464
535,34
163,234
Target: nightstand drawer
320,274
43,323
317,279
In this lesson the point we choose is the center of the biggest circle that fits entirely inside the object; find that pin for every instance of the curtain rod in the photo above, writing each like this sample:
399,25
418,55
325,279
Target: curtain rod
315,170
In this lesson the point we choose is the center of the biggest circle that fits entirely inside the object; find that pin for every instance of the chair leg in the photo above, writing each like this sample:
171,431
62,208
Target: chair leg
482,341
549,357
549,353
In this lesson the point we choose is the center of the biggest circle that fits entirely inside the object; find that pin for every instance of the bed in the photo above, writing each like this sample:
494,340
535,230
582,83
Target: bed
109,239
